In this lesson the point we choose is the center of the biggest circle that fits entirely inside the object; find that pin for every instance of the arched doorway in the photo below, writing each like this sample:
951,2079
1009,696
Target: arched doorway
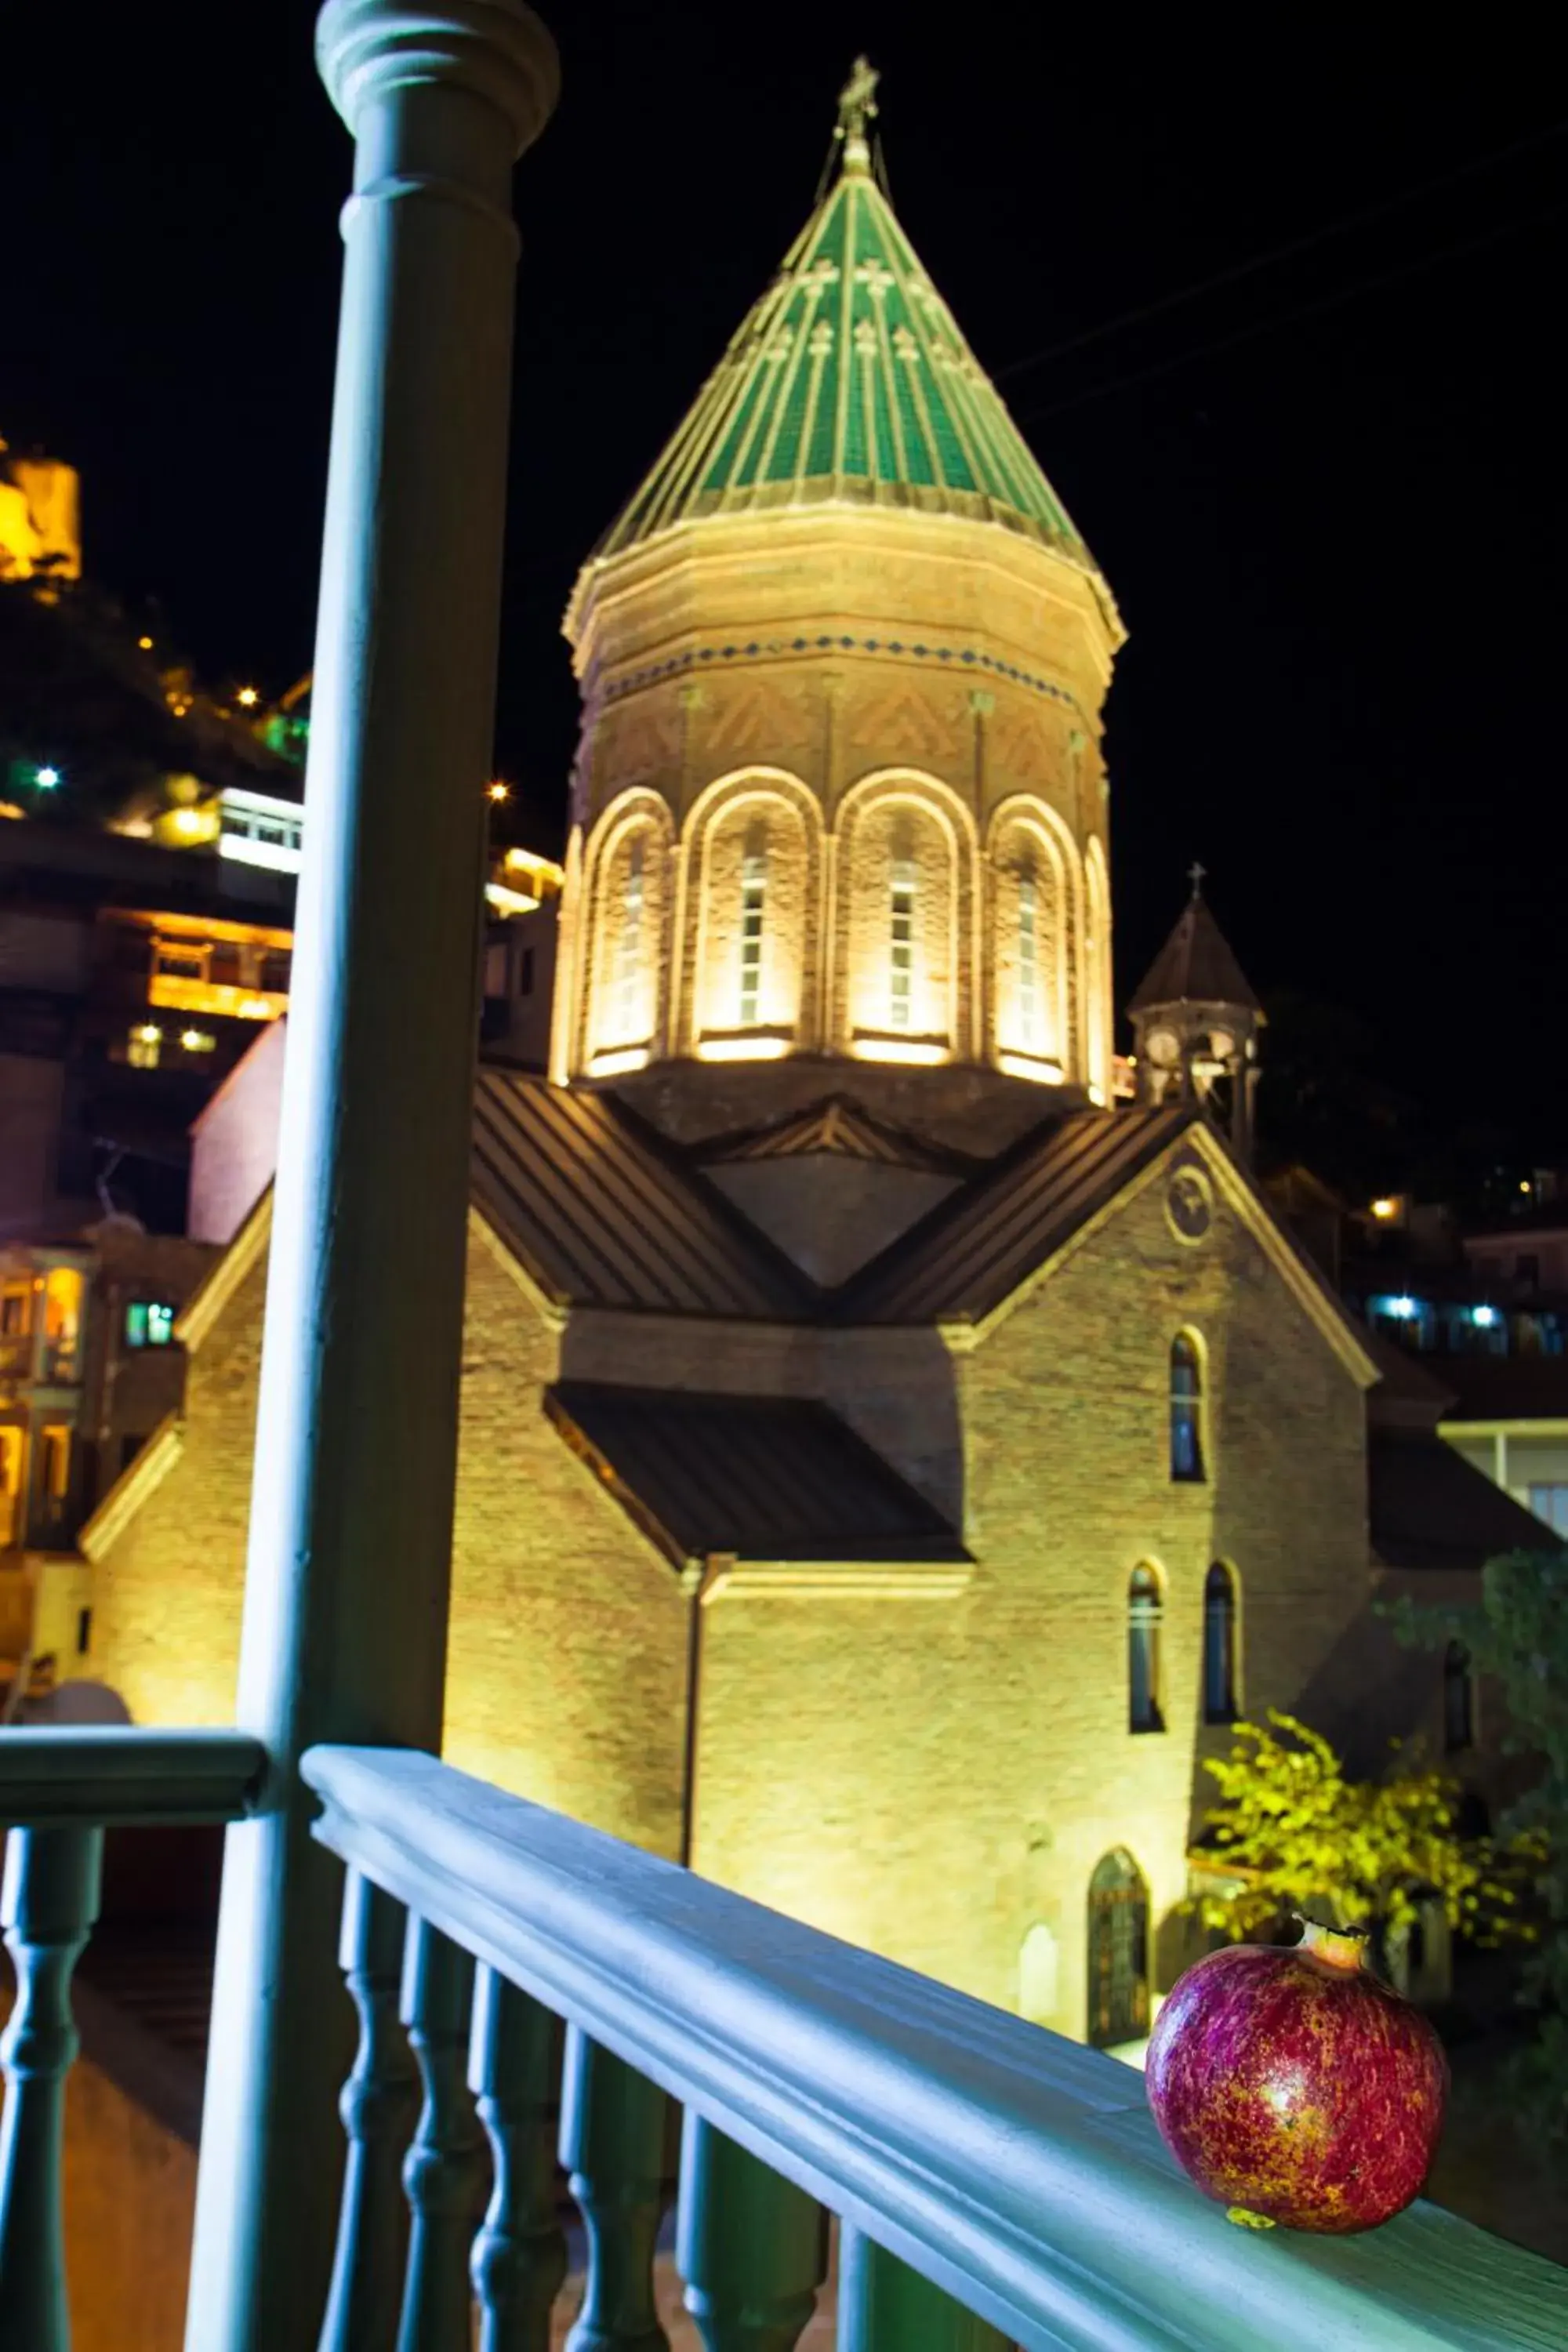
1118,1952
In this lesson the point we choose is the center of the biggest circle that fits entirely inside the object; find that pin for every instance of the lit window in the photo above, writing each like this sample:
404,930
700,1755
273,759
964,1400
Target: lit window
1551,1503
179,961
1186,1412
62,1322
54,1465
1219,1645
149,1323
628,959
1028,959
1459,1699
1143,1613
10,1484
197,1041
143,1045
753,889
901,976
16,1312
1399,1317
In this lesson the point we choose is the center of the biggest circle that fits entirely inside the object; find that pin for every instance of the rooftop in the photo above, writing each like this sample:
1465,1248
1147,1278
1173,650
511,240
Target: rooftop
1195,966
850,381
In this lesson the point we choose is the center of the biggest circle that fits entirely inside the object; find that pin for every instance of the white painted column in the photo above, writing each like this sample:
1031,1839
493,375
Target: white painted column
346,1594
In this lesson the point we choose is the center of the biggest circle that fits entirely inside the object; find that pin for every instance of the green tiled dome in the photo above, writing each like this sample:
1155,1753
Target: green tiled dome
849,382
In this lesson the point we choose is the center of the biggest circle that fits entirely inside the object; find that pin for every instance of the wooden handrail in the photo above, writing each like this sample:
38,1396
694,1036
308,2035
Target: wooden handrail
1018,2172
114,1776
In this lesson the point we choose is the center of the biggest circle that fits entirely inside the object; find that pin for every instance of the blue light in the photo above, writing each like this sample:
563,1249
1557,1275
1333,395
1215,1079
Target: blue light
1483,1317
1401,1309
46,778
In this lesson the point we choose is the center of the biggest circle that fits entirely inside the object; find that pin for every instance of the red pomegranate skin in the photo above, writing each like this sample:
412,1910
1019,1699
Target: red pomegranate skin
1295,2087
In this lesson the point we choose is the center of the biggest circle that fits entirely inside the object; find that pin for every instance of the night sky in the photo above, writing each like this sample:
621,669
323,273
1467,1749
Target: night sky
1329,492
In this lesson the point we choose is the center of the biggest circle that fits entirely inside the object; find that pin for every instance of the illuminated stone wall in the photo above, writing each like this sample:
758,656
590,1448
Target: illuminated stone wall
938,1779
857,702
565,1678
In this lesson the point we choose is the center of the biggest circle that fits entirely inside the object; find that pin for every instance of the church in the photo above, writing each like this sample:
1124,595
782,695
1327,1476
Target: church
890,1461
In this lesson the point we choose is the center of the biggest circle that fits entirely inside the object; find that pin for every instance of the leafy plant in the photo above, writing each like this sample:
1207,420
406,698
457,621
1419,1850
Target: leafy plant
1298,1835
1517,1633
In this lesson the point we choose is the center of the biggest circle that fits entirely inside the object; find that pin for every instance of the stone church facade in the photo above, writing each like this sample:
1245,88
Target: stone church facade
887,1467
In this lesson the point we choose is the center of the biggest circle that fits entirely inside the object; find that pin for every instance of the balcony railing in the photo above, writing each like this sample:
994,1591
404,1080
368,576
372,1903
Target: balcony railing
994,2184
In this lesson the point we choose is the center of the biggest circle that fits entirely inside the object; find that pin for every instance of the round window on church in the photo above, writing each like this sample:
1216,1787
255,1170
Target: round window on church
1189,1203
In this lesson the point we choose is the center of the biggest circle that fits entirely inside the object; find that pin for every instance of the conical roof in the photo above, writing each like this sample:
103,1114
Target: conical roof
850,382
1195,966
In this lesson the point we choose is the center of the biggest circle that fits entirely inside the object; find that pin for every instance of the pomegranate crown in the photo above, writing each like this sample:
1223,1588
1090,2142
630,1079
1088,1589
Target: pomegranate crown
1341,1947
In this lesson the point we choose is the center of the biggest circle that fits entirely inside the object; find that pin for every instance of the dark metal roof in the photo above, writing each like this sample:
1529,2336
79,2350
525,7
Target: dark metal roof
1505,1388
972,1251
1429,1509
602,1213
772,1479
1195,966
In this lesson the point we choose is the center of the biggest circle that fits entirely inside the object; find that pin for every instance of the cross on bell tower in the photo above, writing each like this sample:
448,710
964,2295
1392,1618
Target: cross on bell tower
1195,1021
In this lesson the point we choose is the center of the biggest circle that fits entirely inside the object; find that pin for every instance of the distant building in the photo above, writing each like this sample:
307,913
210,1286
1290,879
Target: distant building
132,978
89,1367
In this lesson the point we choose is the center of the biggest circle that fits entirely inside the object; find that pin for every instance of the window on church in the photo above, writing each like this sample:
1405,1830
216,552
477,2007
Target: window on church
1459,1699
1186,1412
1144,1611
630,953
1028,960
753,893
1219,1645
900,977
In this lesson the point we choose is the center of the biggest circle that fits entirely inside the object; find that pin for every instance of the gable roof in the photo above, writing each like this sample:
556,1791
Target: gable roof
850,380
601,1213
760,1478
1195,966
971,1252
1429,1508
841,1130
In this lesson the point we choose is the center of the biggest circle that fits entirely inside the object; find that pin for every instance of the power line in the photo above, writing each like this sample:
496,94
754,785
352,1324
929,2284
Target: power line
1289,318
1196,287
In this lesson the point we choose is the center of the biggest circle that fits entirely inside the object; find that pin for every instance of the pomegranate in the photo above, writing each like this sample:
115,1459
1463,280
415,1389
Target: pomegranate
1292,2085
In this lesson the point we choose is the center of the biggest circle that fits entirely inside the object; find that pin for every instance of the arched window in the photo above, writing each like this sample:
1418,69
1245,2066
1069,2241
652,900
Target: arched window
1219,1645
1186,1412
1118,1952
1143,1613
1459,1699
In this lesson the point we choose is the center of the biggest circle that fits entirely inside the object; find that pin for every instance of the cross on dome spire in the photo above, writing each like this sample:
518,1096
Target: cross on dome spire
1197,872
856,110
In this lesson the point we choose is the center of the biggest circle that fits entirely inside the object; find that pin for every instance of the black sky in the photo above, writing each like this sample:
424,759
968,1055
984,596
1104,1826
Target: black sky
1335,532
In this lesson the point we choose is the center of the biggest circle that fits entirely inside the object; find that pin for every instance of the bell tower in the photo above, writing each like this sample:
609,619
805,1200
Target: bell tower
839,807
1195,1021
